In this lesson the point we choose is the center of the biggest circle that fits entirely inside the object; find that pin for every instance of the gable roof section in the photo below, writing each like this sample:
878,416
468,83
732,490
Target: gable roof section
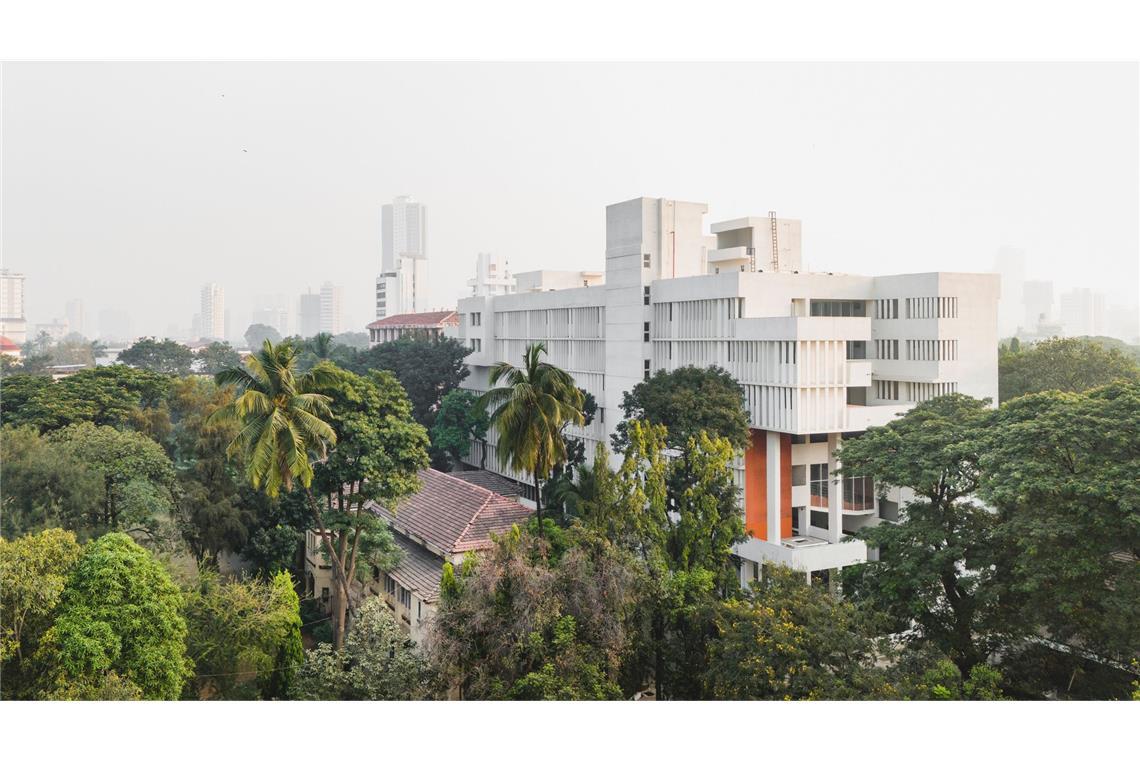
423,319
492,481
451,516
419,570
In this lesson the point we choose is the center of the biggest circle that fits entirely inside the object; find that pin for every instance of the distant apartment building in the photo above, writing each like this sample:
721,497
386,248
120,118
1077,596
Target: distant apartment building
76,317
56,329
443,521
1038,298
428,323
331,309
309,314
821,356
1082,312
213,312
401,286
492,277
1010,264
13,323
278,319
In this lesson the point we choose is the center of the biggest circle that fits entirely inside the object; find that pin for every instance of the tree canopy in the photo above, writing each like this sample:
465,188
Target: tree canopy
1062,364
687,401
428,367
938,565
119,613
1063,472
167,357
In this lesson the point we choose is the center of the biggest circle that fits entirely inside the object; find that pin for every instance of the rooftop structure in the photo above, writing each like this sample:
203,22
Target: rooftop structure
433,323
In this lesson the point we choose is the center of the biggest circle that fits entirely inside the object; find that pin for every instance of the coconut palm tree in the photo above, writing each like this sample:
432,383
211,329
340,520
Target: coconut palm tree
530,408
282,415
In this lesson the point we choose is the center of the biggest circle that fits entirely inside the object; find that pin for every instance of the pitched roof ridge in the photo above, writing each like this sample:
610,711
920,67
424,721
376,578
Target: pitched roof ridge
467,528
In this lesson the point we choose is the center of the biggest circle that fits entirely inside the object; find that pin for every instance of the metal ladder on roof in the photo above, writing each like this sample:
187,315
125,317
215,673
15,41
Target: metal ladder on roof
775,243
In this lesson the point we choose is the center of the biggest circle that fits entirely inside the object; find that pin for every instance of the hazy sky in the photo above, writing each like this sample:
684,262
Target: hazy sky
129,185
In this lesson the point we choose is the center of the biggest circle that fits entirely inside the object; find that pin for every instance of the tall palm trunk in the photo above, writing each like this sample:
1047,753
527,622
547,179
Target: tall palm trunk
538,501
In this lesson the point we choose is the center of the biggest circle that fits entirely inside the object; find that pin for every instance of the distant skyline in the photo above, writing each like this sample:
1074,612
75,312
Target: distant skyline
131,185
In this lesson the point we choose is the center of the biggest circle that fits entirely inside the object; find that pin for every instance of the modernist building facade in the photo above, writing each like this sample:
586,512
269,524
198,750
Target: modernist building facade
821,356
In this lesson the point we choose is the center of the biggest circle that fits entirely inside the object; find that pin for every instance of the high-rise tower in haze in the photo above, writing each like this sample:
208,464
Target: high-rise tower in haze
213,312
402,284
13,324
330,309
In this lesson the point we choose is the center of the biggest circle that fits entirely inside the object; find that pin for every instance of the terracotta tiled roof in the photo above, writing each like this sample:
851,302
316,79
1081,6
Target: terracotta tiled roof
422,319
419,570
451,516
492,481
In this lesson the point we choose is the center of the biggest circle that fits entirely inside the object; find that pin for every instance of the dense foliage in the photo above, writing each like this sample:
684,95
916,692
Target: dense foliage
1062,364
687,401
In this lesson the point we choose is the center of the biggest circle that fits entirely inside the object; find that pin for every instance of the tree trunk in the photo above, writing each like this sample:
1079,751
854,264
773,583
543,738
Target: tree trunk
538,501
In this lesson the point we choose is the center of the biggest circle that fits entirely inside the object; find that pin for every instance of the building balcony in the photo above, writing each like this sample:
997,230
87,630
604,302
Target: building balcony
863,417
729,255
804,553
803,328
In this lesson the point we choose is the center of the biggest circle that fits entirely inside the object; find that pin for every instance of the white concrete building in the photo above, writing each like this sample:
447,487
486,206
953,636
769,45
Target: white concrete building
435,324
492,278
401,287
331,309
13,323
820,355
213,312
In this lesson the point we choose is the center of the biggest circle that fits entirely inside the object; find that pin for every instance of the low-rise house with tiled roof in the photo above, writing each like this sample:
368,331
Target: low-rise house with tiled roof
430,323
447,518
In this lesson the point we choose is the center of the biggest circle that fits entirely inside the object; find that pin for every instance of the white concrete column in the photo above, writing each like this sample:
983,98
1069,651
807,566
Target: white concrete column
773,486
835,493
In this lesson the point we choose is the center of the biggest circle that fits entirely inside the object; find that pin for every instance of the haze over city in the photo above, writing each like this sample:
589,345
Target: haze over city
131,185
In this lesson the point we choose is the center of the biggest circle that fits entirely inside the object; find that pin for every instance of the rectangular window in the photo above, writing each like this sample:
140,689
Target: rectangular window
645,332
645,258
799,475
858,494
818,485
646,369
819,520
645,296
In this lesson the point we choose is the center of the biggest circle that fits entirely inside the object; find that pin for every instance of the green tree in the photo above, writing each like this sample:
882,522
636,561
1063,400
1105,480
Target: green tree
35,570
1063,472
120,613
458,421
256,335
215,357
937,565
526,621
530,409
282,417
377,662
687,401
244,636
429,368
43,485
789,640
166,356
119,396
211,511
135,471
378,454
1062,364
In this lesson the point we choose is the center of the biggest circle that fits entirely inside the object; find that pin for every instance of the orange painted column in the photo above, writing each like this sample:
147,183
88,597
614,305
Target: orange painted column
756,486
